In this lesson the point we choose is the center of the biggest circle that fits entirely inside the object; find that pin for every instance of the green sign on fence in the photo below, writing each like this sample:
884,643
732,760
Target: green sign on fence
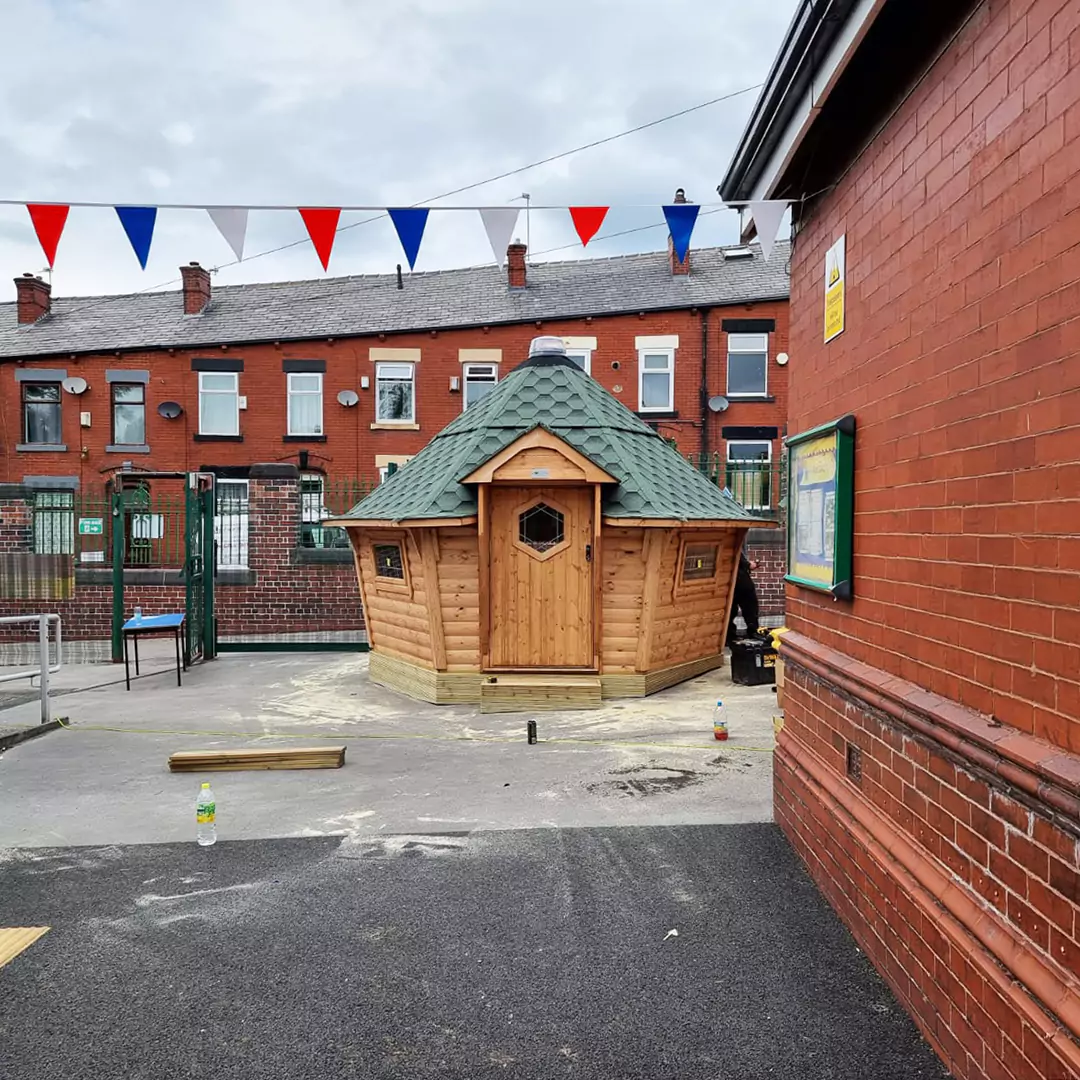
91,526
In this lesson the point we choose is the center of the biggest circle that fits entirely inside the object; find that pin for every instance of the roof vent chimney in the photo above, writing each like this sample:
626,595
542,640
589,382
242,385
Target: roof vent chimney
515,264
33,298
196,288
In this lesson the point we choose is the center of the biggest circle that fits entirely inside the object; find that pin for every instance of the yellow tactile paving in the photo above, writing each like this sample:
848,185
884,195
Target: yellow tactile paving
16,938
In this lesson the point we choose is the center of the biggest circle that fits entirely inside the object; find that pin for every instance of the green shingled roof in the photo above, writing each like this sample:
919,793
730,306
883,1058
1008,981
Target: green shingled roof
655,481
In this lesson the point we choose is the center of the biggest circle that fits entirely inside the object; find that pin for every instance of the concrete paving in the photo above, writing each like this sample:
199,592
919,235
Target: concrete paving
410,767
688,952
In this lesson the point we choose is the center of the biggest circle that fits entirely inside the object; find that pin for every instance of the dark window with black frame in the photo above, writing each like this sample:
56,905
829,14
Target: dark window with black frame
541,527
388,561
41,413
128,414
699,562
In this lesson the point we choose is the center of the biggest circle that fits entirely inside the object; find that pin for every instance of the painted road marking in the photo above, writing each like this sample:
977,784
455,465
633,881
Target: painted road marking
14,939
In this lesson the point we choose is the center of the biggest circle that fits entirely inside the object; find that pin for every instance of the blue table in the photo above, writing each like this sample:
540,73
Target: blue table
154,625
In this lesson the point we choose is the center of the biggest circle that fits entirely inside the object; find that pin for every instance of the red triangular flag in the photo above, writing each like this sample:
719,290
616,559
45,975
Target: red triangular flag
49,222
587,220
321,225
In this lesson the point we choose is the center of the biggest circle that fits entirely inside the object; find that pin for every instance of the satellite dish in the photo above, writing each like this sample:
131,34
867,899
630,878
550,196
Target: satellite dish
348,398
75,385
719,403
170,409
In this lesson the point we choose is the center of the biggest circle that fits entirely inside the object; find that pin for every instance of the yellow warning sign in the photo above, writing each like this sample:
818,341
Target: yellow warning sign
835,259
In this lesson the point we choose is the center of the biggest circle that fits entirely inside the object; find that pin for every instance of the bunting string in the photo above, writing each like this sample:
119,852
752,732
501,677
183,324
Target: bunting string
49,219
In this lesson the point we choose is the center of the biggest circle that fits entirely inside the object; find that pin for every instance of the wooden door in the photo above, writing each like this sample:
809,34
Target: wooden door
540,590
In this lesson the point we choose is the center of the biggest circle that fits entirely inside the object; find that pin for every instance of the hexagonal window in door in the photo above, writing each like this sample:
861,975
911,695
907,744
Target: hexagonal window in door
541,527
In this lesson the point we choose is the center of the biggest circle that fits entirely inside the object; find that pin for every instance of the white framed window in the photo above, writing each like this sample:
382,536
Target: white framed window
749,473
231,524
748,365
480,380
580,350
656,380
581,357
219,403
395,393
305,390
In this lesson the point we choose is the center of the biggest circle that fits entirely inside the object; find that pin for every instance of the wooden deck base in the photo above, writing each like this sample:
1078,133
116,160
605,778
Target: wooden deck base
539,693
642,685
466,687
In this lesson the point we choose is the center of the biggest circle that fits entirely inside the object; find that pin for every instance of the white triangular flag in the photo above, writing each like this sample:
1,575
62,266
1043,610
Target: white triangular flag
499,222
232,224
767,217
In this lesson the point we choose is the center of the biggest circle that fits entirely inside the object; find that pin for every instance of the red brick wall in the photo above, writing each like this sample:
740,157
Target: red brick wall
958,960
287,596
954,670
350,445
960,362
771,556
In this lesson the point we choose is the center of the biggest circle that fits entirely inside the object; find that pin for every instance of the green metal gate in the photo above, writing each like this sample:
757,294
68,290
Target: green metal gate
131,516
199,567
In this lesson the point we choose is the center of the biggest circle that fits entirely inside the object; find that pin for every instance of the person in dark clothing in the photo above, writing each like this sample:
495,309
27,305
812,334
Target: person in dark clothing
745,601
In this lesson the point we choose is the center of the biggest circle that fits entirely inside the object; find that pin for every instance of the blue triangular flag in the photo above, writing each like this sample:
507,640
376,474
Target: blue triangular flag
410,223
138,222
680,222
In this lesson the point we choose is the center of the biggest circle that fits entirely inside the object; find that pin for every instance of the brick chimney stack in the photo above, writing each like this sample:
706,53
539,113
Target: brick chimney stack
677,267
33,298
515,264
196,288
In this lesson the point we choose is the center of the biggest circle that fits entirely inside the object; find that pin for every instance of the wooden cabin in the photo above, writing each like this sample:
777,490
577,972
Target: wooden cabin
546,549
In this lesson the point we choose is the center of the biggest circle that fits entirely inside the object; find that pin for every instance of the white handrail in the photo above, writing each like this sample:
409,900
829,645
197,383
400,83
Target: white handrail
44,669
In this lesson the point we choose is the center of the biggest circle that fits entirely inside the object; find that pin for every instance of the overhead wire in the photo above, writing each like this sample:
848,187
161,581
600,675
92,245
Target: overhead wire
445,195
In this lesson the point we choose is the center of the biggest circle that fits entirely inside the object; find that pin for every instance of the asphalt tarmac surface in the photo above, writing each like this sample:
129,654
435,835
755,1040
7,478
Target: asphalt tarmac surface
533,953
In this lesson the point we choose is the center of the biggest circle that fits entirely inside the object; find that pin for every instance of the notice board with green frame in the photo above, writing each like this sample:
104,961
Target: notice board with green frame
821,507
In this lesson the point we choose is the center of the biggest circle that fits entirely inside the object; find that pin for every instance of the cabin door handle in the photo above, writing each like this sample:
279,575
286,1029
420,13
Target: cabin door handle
588,552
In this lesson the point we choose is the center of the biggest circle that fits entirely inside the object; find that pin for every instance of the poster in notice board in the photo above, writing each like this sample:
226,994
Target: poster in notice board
821,502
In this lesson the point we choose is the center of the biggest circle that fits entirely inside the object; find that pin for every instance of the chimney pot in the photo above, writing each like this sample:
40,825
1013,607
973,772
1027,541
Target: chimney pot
196,288
678,268
515,264
33,299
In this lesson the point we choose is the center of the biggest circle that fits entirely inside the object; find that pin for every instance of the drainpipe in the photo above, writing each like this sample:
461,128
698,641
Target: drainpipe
705,312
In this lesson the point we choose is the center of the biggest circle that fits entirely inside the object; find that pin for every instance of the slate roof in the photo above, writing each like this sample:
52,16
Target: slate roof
372,304
656,481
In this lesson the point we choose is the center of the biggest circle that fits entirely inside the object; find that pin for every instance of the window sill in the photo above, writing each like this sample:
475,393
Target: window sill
303,438
41,448
658,414
733,398
119,448
199,437
386,425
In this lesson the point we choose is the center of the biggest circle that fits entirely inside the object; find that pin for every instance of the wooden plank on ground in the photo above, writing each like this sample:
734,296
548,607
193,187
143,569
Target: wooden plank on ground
278,757
14,939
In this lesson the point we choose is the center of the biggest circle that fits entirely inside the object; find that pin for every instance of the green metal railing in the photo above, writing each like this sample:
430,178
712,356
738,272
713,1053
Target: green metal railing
81,523
322,497
759,486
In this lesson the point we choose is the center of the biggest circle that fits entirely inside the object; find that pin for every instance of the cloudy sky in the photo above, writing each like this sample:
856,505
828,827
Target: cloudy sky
382,102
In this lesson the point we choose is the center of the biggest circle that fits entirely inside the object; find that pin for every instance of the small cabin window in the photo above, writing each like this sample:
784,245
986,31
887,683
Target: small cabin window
541,527
699,562
388,562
